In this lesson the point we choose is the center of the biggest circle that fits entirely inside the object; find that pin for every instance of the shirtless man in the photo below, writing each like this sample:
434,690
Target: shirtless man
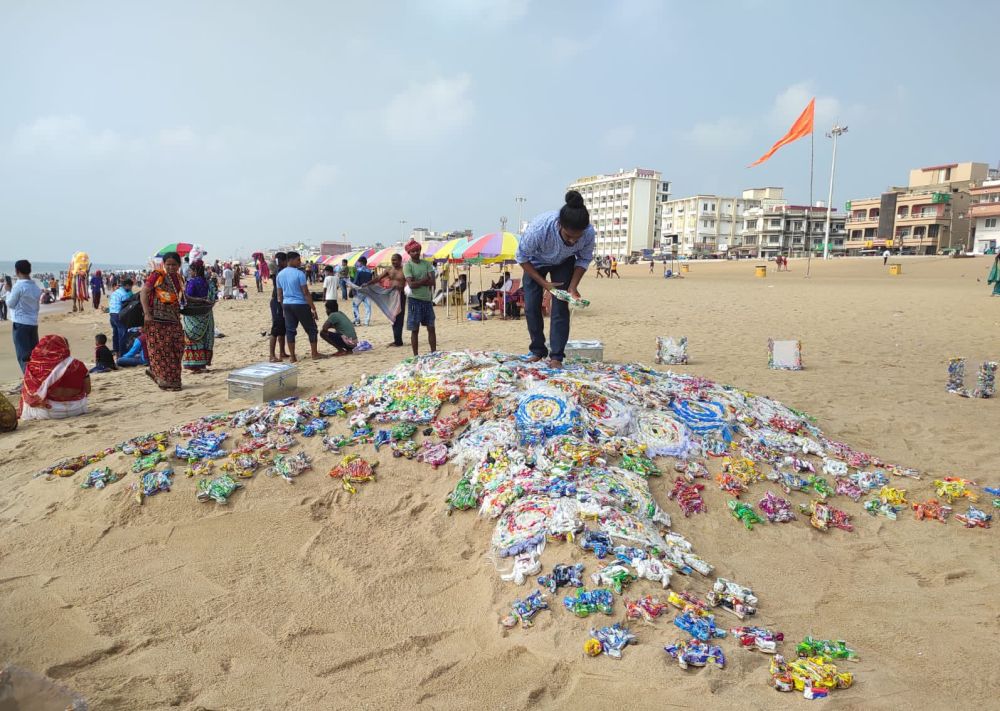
398,280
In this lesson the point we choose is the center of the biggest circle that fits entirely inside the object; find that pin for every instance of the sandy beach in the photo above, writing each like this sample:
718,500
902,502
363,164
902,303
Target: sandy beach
305,597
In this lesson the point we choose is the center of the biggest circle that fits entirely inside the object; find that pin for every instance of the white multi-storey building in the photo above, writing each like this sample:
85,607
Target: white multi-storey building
791,230
704,225
985,210
624,209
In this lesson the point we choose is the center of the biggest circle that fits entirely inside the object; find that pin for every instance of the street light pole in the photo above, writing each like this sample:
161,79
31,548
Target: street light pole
520,203
834,133
402,230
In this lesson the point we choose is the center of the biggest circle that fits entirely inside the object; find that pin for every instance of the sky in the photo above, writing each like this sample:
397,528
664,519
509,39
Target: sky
241,125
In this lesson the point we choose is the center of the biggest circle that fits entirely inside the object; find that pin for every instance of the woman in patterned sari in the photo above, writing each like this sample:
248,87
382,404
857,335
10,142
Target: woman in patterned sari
161,306
199,323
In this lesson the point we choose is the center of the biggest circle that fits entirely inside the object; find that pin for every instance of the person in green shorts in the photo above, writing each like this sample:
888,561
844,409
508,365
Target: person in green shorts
419,275
344,338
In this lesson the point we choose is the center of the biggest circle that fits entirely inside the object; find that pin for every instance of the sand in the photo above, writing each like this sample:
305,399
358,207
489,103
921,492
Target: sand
302,596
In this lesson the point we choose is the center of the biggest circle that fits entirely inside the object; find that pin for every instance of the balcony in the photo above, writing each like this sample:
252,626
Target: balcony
925,217
984,209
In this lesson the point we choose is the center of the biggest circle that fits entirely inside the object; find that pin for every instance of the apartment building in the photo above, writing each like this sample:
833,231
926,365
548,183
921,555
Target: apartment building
625,209
927,216
984,212
791,230
332,249
704,225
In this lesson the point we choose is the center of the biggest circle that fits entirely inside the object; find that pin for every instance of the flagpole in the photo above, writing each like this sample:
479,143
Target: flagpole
812,158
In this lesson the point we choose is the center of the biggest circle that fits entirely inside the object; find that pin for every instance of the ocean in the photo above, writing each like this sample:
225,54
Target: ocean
56,267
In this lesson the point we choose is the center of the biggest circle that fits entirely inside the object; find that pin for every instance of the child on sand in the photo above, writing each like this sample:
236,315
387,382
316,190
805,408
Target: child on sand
102,354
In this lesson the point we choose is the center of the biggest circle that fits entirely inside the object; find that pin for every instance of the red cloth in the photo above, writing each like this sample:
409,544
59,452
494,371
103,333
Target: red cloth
50,352
412,246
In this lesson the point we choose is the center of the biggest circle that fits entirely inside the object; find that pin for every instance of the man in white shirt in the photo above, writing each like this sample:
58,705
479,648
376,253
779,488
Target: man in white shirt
885,257
227,277
22,301
330,284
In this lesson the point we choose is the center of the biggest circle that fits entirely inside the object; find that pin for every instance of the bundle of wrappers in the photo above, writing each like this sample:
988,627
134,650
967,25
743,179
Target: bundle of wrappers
555,456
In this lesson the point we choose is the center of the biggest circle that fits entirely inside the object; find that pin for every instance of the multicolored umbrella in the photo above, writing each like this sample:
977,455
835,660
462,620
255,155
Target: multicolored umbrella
451,250
182,248
494,247
353,259
383,257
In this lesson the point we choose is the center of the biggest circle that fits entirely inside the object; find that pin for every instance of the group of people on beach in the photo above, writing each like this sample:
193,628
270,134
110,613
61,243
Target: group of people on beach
406,288
176,330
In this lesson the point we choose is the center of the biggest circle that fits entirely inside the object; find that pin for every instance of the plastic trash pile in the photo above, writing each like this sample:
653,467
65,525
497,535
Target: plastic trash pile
565,456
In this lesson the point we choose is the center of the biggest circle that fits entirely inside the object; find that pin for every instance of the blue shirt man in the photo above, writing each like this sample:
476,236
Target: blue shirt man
23,302
291,280
554,253
118,297
115,302
543,246
297,305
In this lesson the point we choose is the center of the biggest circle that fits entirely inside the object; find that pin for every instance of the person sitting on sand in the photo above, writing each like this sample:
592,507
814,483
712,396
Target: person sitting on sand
136,353
344,337
56,384
104,359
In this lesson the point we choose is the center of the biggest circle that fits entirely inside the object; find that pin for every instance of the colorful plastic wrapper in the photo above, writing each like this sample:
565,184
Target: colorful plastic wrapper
218,489
985,379
614,639
695,653
671,351
574,303
99,478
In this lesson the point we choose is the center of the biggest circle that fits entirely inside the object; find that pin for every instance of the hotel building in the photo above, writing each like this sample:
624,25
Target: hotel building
624,209
929,215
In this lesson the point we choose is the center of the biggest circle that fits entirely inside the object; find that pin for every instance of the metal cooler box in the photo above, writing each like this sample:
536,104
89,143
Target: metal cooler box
585,349
263,382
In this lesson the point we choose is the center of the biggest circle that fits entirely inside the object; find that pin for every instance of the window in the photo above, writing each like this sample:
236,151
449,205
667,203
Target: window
991,222
797,225
775,223
704,207
751,224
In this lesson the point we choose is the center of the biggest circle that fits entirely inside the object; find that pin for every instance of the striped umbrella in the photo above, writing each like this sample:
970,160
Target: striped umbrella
451,250
494,247
430,247
353,259
384,256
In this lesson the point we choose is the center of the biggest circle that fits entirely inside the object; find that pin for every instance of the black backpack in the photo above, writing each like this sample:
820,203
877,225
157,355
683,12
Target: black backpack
131,315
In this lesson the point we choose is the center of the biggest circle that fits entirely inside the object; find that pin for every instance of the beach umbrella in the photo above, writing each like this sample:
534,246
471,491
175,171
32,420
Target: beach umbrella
429,247
451,250
384,256
353,259
182,248
492,247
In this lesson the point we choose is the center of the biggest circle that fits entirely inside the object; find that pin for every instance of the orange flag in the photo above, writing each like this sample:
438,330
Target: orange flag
802,127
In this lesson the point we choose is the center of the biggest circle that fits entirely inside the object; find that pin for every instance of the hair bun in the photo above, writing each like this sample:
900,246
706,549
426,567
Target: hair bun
574,199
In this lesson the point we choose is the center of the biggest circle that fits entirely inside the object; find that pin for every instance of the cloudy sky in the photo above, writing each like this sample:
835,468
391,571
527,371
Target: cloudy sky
245,124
